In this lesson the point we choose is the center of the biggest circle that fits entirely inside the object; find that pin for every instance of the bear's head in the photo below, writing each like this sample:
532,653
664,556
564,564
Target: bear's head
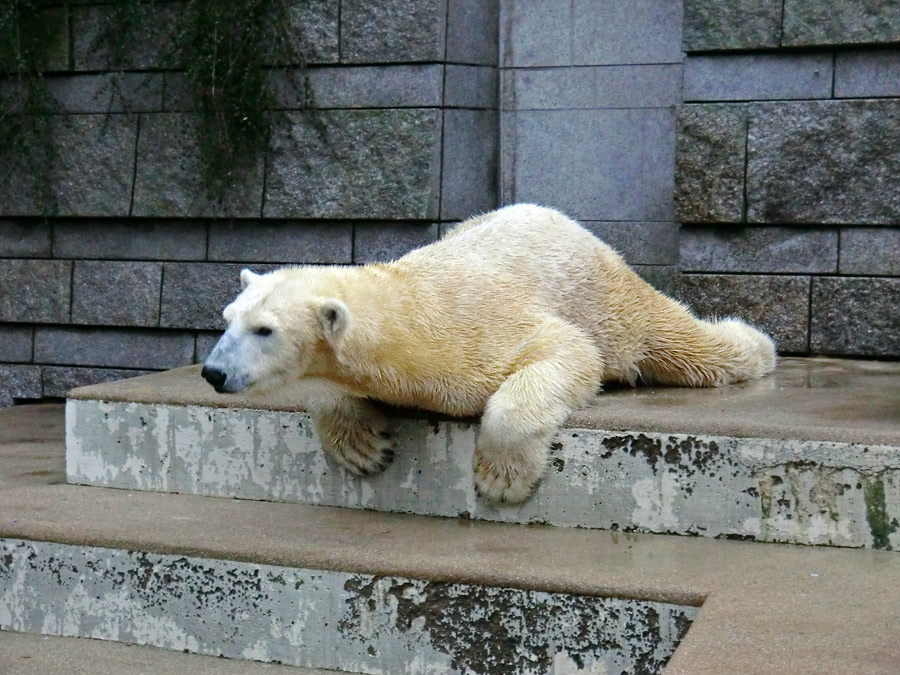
277,328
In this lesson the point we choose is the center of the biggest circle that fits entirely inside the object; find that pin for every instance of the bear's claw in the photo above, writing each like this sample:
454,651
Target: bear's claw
363,451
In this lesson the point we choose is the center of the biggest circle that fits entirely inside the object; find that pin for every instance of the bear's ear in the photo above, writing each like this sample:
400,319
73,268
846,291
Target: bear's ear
334,317
247,278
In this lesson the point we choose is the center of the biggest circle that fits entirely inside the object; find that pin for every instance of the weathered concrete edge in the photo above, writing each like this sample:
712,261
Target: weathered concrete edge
165,601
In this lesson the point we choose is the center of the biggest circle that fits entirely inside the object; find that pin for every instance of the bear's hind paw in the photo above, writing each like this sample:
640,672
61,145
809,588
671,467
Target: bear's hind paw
365,453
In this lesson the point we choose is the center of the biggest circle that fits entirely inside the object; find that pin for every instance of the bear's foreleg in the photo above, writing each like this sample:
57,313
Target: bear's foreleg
557,370
355,434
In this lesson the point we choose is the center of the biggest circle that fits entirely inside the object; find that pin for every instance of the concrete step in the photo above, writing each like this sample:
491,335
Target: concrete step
32,654
374,592
810,455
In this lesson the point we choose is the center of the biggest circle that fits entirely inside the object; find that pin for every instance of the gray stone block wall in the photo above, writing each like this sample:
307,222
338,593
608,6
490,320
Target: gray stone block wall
787,163
130,271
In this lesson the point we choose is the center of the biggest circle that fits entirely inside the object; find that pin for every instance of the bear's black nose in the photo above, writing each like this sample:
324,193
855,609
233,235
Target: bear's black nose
214,376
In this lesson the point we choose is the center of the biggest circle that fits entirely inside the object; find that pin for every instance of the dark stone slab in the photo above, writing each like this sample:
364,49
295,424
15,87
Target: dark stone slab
731,24
205,344
663,278
281,242
194,294
786,250
383,242
470,86
315,28
639,31
107,92
35,291
757,77
380,31
104,347
378,164
709,163
855,316
169,176
838,22
473,31
824,162
867,73
58,380
640,243
870,250
19,382
90,175
16,343
95,31
136,240
468,177
24,239
778,305
110,293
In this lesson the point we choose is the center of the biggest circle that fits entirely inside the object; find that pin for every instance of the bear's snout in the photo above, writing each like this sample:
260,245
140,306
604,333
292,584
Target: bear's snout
215,377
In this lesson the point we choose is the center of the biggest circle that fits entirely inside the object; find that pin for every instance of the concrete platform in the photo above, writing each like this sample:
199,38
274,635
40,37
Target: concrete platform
29,654
763,608
810,455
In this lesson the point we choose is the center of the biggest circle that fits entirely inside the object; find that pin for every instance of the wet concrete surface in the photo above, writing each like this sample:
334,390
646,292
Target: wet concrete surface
822,399
765,608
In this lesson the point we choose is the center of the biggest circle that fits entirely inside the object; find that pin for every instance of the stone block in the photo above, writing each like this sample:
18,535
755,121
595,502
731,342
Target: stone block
733,24
614,165
640,243
867,73
642,86
132,240
469,175
785,250
383,242
639,31
400,86
19,382
178,93
205,344
107,92
870,250
470,86
24,239
473,31
194,294
91,171
104,347
151,45
838,22
58,380
169,175
383,31
35,291
778,305
536,33
110,293
282,242
16,343
757,77
855,316
315,30
373,164
824,162
662,277
710,163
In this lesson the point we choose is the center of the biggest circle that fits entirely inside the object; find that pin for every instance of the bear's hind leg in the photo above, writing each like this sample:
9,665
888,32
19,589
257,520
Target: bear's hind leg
355,434
557,370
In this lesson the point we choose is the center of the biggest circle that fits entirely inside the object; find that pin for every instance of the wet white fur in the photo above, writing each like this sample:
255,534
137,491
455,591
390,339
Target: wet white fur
517,315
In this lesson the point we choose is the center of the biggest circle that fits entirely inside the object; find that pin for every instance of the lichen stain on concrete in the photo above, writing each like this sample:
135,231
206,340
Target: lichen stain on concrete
877,514
486,630
650,448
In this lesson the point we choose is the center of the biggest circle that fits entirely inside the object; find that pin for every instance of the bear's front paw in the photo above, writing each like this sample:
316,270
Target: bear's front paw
362,450
505,477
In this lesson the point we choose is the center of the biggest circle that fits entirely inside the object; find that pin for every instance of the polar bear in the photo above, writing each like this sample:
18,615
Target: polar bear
518,315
